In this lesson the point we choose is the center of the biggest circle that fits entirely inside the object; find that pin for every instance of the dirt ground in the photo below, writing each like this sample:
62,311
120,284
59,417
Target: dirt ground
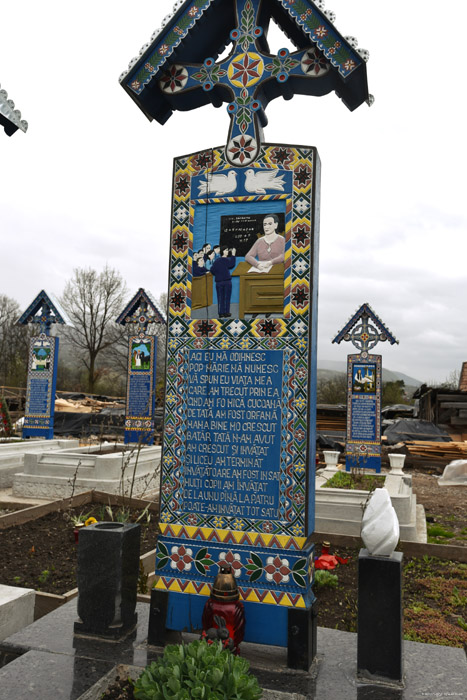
42,554
445,506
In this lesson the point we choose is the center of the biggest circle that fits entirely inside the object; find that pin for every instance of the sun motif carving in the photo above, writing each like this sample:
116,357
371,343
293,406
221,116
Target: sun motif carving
246,69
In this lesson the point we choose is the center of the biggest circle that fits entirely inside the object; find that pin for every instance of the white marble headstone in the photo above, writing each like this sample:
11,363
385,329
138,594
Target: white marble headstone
380,526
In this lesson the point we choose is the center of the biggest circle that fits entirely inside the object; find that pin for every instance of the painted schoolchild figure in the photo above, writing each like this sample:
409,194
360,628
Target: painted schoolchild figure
269,249
199,267
220,269
206,249
210,259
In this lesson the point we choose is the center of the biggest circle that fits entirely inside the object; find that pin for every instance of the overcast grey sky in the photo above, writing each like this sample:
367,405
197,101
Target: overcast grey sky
89,183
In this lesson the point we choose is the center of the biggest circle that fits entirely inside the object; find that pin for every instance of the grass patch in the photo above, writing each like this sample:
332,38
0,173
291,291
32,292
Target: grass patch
347,480
429,626
437,533
324,579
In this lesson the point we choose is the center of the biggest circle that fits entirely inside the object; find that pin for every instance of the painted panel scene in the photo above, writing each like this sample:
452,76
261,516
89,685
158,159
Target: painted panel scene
238,261
140,356
40,359
364,379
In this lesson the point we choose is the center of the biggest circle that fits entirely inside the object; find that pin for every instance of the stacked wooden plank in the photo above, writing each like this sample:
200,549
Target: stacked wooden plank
426,453
330,417
325,423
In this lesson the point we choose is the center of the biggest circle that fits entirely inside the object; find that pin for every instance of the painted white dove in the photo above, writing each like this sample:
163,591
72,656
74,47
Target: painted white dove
258,181
218,184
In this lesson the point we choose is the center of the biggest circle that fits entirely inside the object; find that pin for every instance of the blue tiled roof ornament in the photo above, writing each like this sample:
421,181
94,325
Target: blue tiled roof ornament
10,117
178,69
364,330
142,310
45,310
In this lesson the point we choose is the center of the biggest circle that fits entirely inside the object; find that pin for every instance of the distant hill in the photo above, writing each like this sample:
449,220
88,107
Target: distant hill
329,367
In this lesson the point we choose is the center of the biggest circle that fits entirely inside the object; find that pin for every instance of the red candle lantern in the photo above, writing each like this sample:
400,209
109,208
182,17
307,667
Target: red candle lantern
222,607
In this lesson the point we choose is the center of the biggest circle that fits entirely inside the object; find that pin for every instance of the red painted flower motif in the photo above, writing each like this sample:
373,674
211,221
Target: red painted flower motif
267,526
182,186
349,65
199,343
181,558
177,299
300,296
299,435
232,560
241,148
204,328
302,176
174,79
300,373
277,570
169,429
246,69
167,488
299,498
192,519
301,235
273,343
268,327
314,62
282,156
321,32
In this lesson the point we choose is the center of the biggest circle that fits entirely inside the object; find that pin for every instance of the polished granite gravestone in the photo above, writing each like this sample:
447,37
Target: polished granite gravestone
45,660
108,560
380,623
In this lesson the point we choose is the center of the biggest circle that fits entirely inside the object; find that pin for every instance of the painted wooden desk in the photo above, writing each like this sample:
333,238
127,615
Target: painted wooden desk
261,292
201,291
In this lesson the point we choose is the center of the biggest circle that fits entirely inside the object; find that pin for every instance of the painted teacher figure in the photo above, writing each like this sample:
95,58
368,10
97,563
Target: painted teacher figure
269,249
220,269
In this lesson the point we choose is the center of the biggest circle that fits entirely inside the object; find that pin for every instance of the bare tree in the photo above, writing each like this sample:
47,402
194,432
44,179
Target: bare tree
93,301
332,389
14,342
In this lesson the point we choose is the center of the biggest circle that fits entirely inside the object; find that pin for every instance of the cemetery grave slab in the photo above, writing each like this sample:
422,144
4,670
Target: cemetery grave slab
52,663
54,474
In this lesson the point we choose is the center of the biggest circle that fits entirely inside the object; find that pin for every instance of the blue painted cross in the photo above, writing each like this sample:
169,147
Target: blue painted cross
142,318
365,330
249,77
45,319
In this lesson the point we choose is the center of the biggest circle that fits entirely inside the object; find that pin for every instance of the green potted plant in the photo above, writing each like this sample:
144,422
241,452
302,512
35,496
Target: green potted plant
197,670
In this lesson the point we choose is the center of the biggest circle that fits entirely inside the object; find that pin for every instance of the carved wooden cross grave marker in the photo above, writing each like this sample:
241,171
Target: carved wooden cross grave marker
363,442
237,484
140,312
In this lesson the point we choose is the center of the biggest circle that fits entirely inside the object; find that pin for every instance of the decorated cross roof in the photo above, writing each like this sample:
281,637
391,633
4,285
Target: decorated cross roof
10,118
141,310
179,68
45,310
364,330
